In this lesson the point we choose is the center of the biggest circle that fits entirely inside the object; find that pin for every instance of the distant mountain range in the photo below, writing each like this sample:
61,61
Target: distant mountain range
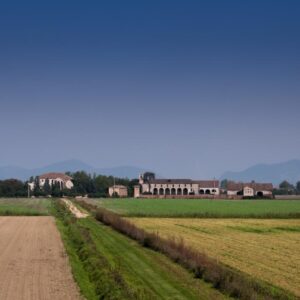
71,166
275,173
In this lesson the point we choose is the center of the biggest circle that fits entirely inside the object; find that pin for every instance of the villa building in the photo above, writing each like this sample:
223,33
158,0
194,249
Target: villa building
119,190
250,189
149,185
64,181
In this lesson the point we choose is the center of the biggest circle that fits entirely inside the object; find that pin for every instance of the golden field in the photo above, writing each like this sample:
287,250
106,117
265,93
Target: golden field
266,249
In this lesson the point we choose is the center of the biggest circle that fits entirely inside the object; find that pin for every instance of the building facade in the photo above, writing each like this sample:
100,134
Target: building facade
251,189
149,185
64,181
119,190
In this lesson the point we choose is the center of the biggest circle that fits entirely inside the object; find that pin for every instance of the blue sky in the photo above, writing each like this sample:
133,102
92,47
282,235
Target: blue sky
186,88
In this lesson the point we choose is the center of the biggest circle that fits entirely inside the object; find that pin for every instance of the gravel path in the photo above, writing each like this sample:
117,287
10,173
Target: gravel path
74,210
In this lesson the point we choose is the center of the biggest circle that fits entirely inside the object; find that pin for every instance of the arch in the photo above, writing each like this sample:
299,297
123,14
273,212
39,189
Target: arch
207,192
155,191
213,191
260,194
173,191
179,191
161,191
167,191
201,192
185,191
240,193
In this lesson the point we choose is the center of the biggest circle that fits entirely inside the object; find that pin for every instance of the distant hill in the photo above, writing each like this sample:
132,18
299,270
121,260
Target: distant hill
275,173
72,166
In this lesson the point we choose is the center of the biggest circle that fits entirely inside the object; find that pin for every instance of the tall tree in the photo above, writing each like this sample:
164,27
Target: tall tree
47,188
298,187
37,189
287,187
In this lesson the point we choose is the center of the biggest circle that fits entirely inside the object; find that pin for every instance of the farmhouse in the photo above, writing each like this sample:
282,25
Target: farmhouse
64,181
119,190
149,185
250,189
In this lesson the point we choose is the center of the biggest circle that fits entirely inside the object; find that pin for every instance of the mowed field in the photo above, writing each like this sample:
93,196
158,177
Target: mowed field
202,208
33,263
266,249
24,206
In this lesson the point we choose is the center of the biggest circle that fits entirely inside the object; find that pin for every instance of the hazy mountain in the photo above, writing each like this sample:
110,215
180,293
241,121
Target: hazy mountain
14,172
64,166
275,173
123,171
69,165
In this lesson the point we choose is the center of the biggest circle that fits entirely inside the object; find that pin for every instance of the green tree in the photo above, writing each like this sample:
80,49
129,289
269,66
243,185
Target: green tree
37,189
13,188
286,187
47,188
298,187
56,190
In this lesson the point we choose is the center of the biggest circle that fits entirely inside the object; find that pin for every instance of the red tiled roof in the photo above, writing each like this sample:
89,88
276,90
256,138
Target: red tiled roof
53,175
171,181
208,183
118,187
201,183
238,186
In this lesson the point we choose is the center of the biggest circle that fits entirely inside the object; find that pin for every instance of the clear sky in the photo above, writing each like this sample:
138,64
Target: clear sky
185,88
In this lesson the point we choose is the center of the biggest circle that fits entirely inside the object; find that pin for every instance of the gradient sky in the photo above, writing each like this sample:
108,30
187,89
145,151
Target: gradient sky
184,88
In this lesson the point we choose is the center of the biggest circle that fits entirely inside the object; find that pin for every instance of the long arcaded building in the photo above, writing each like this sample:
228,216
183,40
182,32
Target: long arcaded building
149,185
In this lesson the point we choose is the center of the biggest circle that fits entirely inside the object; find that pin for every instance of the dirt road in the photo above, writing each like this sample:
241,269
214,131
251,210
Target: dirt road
33,263
74,210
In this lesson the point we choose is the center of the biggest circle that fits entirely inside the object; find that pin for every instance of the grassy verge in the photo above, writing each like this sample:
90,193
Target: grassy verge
95,276
109,265
227,280
24,207
202,208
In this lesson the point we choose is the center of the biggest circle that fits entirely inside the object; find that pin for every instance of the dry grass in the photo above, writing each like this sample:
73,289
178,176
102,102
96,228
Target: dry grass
266,249
229,280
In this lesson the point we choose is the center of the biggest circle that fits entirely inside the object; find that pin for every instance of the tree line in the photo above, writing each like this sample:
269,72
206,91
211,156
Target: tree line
96,186
84,184
286,188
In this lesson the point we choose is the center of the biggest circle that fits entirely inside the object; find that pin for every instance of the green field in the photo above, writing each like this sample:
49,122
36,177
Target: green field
109,265
202,208
24,206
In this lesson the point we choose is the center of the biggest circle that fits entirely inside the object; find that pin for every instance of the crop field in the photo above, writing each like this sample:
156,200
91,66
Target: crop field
33,263
266,249
24,206
202,208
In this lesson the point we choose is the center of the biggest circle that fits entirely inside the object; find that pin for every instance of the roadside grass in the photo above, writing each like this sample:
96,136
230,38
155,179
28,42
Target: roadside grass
201,208
108,265
268,250
229,280
24,206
